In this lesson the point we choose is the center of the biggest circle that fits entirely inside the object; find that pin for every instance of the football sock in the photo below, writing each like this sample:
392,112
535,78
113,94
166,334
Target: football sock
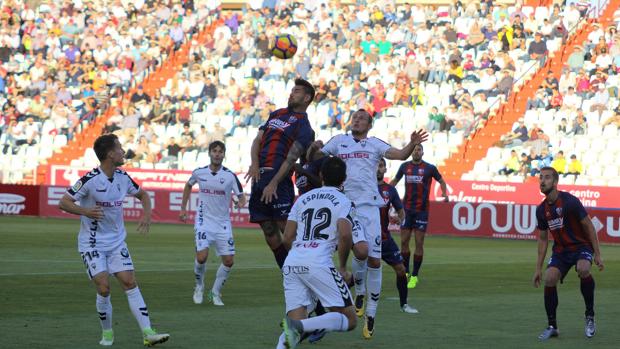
220,278
199,271
138,307
359,269
406,260
280,253
104,308
401,286
551,304
417,263
328,322
281,341
587,290
374,290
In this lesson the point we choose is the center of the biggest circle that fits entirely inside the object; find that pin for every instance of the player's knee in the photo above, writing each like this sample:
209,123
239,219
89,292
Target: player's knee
400,270
551,279
374,262
583,273
228,263
360,251
103,290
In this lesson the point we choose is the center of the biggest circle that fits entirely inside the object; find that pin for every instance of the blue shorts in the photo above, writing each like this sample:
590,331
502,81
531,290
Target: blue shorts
564,261
279,208
415,220
390,252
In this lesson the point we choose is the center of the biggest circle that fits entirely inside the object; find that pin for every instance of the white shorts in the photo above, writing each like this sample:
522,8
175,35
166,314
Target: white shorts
215,234
111,262
304,284
370,220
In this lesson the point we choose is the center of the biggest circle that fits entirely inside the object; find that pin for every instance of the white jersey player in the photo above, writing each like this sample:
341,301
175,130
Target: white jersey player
101,241
362,155
319,222
212,225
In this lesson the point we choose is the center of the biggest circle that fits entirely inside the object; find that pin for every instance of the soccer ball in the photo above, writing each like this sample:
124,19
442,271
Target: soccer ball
284,46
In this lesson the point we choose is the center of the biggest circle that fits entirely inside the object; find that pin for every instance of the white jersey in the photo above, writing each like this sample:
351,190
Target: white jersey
96,189
215,194
362,159
317,213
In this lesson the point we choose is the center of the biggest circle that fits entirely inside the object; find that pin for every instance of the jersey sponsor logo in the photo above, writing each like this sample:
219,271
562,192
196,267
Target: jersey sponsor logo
414,179
213,191
556,223
292,119
521,217
386,196
354,155
295,269
11,203
117,203
77,185
278,124
124,252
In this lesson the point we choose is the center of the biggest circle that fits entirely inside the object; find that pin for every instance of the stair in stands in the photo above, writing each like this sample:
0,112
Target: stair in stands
475,148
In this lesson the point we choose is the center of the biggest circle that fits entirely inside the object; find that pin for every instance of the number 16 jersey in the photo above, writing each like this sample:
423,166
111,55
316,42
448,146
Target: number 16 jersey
317,213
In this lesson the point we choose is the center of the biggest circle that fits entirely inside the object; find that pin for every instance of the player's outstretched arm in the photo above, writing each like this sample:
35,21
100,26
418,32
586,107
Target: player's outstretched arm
290,233
254,171
67,204
587,225
314,151
269,192
416,137
187,191
145,222
543,242
345,243
444,189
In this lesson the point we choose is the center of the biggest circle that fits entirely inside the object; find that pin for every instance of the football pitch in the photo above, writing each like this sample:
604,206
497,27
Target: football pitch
473,293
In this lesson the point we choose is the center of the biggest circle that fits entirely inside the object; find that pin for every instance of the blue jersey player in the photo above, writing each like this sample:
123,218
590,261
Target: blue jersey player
389,250
418,177
280,141
574,244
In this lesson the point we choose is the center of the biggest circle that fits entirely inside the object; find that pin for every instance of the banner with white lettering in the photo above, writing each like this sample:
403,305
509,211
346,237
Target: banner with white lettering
19,200
507,221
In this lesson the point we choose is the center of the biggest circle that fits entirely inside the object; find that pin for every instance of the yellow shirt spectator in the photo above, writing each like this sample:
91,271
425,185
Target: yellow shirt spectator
575,165
559,163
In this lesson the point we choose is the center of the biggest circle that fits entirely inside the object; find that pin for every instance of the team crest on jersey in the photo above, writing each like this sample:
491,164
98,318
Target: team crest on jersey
231,242
221,180
77,185
409,171
363,142
421,171
292,119
386,196
558,210
124,253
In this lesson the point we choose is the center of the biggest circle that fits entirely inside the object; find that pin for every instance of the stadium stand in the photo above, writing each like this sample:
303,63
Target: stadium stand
455,70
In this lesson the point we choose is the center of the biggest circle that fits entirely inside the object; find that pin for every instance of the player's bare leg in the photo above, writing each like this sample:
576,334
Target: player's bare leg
138,308
104,307
273,236
200,268
552,277
215,296
405,238
339,319
587,290
359,266
401,286
374,293
418,256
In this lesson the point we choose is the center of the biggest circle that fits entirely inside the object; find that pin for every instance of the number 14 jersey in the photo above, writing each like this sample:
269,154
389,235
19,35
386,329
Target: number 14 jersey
317,213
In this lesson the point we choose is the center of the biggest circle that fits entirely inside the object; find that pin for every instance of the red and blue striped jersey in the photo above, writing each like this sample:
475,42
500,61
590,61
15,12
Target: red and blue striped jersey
281,130
418,178
391,198
563,219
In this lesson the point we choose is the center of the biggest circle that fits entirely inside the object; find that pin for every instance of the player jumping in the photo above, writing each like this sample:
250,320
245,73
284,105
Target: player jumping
212,223
418,177
101,241
574,244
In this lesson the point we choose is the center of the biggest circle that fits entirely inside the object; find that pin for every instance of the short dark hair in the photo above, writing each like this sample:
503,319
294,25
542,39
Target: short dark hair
554,172
308,88
418,145
370,117
104,144
216,144
334,172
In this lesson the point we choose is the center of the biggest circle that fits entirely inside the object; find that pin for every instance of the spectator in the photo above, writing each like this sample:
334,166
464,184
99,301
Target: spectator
140,96
600,99
544,161
537,49
518,136
575,167
173,153
537,102
559,163
436,119
511,166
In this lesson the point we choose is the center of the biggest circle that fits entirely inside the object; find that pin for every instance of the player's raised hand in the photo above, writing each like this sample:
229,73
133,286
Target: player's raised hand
145,225
598,260
94,212
537,278
253,174
269,193
419,136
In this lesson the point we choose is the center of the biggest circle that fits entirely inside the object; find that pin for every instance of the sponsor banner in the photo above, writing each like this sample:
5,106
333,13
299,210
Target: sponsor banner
507,221
166,207
523,193
19,200
66,176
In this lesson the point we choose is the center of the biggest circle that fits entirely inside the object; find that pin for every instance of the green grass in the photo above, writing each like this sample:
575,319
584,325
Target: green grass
473,293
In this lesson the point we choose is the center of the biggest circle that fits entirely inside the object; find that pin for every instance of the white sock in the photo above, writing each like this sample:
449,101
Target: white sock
199,271
281,341
359,268
329,322
220,278
104,308
138,307
374,291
